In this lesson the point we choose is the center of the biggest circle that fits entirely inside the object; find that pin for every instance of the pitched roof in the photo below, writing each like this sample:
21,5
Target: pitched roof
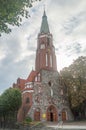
31,76
44,24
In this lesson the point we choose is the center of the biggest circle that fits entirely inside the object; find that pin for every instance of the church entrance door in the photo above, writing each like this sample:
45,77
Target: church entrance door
51,113
37,115
64,116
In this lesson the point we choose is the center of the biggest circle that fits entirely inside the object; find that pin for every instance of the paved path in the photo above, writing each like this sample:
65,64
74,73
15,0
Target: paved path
72,125
81,125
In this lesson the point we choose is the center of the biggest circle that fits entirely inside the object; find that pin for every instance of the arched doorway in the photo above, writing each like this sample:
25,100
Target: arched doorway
52,113
64,115
37,114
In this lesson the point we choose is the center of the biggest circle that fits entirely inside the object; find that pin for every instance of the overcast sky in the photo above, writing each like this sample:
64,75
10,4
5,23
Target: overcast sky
67,23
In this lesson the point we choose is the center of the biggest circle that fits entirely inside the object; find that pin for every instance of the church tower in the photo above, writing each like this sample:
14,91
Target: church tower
44,94
45,54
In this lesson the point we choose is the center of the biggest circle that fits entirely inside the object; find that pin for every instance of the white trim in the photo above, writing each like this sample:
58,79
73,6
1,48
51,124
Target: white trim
29,91
42,35
28,83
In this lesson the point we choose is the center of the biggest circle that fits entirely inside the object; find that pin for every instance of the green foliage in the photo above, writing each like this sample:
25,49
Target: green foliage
11,13
74,77
28,119
11,99
1,106
10,102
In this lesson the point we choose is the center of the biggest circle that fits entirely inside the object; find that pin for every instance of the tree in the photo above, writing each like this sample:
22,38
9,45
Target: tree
10,101
11,13
75,79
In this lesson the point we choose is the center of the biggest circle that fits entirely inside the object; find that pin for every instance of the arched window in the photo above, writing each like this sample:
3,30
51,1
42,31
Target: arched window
42,46
46,59
50,61
39,77
27,100
62,92
49,83
36,78
48,41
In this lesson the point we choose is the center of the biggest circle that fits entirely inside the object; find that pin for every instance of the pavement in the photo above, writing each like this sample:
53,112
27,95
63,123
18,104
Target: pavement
77,125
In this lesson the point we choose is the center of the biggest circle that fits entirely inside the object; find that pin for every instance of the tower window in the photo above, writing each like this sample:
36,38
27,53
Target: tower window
46,59
42,46
50,61
48,41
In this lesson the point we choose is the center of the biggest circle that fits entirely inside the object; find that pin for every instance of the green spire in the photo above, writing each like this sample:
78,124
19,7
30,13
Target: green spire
44,25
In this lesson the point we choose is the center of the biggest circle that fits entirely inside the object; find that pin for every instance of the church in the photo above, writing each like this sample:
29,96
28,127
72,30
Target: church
44,95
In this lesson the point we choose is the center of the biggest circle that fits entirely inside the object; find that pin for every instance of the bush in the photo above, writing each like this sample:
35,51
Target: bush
27,120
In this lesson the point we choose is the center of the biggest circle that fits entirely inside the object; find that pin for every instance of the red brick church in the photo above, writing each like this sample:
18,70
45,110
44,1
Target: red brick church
44,95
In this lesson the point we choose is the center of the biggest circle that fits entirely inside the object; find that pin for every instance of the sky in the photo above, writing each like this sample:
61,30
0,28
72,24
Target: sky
67,23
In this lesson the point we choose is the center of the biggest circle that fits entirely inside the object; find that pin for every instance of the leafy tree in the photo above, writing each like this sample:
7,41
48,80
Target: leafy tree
11,13
75,78
12,99
10,102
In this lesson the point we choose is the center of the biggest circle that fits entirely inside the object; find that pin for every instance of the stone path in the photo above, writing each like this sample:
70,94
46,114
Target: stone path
72,125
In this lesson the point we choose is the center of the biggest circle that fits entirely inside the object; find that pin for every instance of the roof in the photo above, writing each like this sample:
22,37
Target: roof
31,76
44,24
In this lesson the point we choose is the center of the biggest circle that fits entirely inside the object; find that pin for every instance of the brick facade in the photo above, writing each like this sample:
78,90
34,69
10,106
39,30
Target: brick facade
44,94
45,54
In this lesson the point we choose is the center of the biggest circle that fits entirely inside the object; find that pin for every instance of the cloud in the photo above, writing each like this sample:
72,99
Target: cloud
18,49
74,22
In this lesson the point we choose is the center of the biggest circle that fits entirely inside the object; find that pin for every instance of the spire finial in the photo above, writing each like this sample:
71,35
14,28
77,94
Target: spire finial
44,11
44,7
44,25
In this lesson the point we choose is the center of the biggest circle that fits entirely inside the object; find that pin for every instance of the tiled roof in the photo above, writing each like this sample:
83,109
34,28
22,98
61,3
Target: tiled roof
31,76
